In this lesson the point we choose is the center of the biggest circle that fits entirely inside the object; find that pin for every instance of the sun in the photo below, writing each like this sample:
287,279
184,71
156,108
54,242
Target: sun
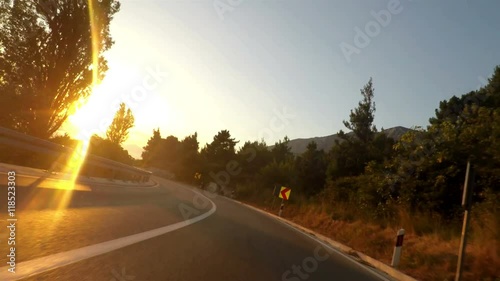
81,125
91,116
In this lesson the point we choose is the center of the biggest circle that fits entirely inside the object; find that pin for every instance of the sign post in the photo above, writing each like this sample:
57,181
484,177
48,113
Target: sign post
274,193
466,203
284,195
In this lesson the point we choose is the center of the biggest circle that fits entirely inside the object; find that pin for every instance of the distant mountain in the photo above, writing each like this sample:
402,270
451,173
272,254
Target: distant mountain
298,146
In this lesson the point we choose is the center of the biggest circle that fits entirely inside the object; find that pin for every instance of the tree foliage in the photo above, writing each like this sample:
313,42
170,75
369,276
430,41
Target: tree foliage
110,150
253,156
281,151
47,51
152,151
179,157
120,126
311,170
361,118
220,151
188,163
430,164
350,156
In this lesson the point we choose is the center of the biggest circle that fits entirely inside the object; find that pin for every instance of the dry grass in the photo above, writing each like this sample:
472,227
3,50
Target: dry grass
430,248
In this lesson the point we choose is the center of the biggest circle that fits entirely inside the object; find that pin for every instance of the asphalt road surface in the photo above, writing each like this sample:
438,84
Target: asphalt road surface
170,232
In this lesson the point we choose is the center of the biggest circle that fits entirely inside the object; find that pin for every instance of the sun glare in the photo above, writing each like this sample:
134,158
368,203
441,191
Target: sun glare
81,121
87,116
83,124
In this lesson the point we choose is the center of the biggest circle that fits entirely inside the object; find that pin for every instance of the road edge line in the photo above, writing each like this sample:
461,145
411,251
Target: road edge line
47,263
342,249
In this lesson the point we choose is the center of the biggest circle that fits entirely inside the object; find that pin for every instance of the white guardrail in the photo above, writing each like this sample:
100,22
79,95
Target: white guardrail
94,166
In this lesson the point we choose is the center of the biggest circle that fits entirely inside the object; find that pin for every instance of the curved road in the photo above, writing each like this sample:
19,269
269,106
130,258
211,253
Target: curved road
171,232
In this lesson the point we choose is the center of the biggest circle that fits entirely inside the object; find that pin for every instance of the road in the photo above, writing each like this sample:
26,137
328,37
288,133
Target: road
171,232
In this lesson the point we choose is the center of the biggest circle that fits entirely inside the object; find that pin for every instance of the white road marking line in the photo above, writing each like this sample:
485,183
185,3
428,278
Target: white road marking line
43,264
366,268
369,269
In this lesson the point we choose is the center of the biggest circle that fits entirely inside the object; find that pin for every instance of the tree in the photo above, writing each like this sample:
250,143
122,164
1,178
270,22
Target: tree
346,158
122,122
178,157
253,156
169,157
110,150
311,170
281,173
381,149
281,151
430,164
152,150
349,157
50,56
188,163
361,119
65,140
221,150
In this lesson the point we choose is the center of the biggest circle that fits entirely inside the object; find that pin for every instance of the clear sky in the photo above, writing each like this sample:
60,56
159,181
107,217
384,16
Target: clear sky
204,65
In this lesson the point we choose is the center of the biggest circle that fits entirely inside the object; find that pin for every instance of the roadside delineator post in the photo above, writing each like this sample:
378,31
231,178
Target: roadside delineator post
281,208
397,249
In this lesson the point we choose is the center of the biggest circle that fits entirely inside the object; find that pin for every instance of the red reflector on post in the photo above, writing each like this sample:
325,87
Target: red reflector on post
399,241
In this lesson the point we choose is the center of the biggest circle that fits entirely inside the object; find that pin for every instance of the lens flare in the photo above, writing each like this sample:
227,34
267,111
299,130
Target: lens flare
95,43
75,161
72,168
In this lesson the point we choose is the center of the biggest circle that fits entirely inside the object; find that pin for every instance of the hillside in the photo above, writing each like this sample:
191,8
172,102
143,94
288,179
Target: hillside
326,143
